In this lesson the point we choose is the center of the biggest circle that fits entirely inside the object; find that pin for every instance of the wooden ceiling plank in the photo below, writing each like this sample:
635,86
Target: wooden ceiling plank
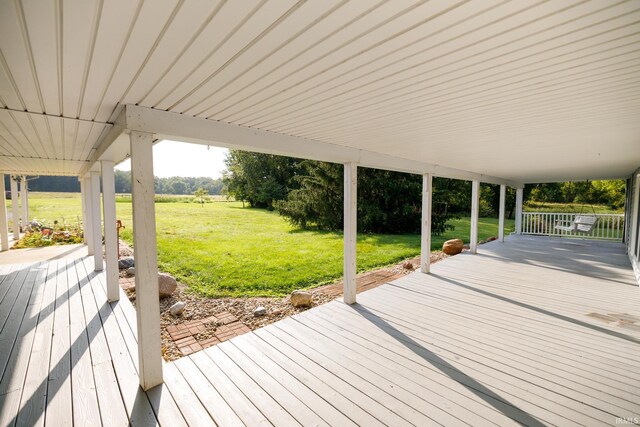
455,83
145,32
254,23
446,64
425,105
16,58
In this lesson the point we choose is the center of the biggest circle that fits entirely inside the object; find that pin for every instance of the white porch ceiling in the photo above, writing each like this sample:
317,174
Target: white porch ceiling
529,91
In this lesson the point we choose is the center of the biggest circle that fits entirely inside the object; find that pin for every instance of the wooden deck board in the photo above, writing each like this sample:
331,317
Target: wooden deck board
519,334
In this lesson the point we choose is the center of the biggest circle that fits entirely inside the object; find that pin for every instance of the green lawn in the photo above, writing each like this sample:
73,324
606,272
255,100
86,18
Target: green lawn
222,249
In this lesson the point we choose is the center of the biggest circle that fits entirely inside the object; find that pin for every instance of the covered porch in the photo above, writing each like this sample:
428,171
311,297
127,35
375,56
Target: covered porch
532,331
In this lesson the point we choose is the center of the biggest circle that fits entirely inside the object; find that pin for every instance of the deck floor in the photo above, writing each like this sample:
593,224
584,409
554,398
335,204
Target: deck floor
535,331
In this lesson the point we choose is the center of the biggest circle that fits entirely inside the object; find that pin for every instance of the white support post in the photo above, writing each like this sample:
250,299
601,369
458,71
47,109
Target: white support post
84,209
425,240
503,195
96,219
350,230
144,239
15,212
88,224
24,200
4,223
519,197
110,231
475,212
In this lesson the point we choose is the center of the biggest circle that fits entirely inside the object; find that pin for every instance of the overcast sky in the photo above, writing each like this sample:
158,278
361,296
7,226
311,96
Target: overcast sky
172,158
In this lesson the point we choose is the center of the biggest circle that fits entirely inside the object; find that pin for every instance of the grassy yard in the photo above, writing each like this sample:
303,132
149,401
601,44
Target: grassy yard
222,249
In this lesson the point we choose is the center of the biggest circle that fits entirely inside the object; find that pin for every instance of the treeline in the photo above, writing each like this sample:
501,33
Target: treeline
172,185
610,193
310,194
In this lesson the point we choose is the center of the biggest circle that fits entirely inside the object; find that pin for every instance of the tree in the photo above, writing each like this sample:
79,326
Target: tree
260,179
200,193
388,202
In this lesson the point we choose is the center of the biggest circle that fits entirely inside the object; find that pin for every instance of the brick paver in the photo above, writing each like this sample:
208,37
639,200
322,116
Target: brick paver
184,334
228,325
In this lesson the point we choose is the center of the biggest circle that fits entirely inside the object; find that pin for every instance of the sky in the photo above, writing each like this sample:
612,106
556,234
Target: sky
172,158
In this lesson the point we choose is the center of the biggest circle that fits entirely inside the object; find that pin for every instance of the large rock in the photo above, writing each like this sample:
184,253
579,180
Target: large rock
125,263
452,247
260,311
301,299
167,285
177,308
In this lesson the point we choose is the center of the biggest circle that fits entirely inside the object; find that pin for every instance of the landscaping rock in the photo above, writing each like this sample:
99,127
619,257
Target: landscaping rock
301,299
452,247
260,311
407,265
177,308
125,263
166,285
131,271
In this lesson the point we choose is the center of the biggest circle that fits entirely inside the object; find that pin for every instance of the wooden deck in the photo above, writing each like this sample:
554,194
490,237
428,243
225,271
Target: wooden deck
535,331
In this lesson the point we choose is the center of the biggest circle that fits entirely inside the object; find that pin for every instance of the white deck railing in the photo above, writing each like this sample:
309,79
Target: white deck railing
609,226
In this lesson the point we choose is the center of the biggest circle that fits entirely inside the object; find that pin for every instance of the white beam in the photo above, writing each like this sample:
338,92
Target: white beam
425,240
108,137
519,197
168,125
144,239
96,226
15,213
503,195
4,223
350,230
24,200
110,231
475,212
88,225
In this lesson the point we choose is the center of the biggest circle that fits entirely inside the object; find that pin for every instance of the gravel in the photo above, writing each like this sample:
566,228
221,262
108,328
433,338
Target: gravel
198,307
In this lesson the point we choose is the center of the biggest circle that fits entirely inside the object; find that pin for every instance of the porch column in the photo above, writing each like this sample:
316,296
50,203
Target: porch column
88,225
146,257
96,228
425,240
4,223
503,194
84,209
15,213
519,196
475,212
110,232
24,201
350,230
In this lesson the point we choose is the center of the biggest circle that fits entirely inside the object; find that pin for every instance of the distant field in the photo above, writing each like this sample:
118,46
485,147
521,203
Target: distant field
222,249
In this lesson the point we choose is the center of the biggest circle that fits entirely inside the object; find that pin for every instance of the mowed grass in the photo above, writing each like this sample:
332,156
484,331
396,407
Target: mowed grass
221,249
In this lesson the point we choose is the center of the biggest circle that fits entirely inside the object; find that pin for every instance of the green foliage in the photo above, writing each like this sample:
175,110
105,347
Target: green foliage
388,202
607,192
200,193
41,233
532,206
175,185
260,179
32,240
